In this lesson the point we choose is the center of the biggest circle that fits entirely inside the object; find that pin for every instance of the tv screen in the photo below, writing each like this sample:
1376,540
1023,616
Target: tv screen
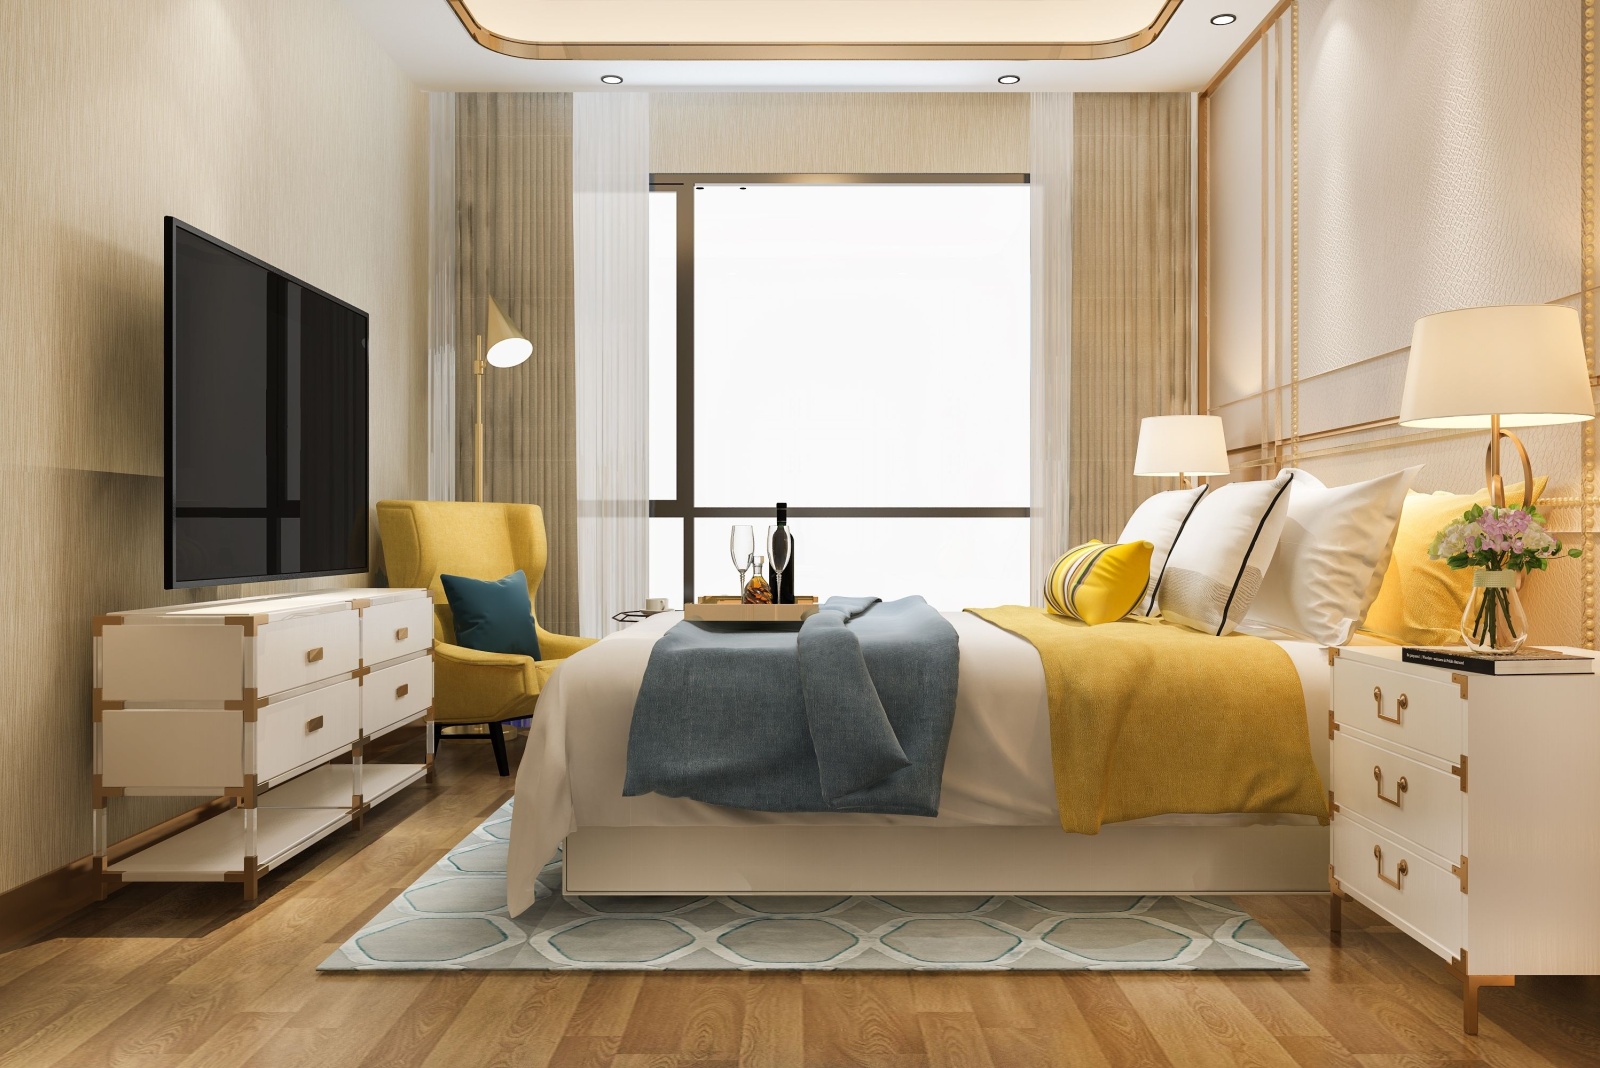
266,420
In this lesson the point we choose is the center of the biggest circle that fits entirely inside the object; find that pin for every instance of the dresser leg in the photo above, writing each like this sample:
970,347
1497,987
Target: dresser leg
1470,985
251,878
1335,916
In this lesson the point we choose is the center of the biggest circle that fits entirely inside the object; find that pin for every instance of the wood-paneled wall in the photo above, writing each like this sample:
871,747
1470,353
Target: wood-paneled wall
827,133
514,234
1131,332
281,128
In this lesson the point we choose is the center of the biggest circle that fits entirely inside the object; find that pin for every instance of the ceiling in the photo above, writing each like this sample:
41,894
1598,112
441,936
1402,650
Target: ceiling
433,45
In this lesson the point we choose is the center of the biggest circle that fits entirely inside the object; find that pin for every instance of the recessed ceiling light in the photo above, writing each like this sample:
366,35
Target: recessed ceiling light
1009,79
616,79
1223,20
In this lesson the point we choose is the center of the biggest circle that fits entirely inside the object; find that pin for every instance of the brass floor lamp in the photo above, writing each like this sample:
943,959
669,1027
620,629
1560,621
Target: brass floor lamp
507,348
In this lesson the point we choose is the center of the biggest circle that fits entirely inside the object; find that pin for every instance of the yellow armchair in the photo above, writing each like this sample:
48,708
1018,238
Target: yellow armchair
424,539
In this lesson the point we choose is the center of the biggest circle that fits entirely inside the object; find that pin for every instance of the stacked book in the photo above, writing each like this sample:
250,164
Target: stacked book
1522,662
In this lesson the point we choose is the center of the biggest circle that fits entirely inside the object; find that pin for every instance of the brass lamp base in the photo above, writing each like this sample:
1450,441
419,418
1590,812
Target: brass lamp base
1491,467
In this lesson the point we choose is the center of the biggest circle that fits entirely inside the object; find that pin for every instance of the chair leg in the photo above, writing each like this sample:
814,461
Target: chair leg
497,738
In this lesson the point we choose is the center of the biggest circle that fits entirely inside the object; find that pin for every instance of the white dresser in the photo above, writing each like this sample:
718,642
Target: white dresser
252,699
1467,813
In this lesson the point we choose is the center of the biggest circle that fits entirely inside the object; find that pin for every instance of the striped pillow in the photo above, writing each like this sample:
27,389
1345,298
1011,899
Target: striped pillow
1099,583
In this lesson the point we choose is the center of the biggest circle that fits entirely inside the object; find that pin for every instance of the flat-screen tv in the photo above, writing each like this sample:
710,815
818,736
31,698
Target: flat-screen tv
266,420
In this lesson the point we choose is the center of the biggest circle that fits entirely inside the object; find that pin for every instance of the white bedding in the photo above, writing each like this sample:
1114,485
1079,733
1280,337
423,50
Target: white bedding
997,772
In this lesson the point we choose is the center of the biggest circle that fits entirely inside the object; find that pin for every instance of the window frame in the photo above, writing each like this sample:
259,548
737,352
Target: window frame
682,506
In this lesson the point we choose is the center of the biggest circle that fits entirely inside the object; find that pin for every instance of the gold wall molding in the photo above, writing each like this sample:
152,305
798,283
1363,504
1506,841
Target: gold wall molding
1587,485
770,50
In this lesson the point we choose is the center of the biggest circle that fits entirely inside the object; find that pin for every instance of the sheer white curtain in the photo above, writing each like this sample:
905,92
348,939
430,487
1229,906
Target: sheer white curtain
1050,169
441,296
610,253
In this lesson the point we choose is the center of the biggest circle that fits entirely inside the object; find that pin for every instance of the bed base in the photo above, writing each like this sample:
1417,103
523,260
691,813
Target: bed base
651,861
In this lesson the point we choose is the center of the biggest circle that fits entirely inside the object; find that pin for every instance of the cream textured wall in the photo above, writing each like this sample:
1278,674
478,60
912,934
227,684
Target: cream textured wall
277,126
883,133
1439,167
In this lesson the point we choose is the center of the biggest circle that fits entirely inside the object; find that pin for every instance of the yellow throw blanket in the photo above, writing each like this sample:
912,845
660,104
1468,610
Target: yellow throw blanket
1148,718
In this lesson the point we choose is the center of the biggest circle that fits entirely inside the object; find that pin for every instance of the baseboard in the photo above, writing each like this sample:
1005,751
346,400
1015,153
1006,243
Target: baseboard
43,902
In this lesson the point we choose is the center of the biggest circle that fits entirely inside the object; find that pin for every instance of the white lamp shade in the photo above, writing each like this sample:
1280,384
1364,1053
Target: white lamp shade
507,347
1181,445
1522,362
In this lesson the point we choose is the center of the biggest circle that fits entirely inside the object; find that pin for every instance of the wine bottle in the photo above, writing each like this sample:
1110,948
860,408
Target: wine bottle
785,588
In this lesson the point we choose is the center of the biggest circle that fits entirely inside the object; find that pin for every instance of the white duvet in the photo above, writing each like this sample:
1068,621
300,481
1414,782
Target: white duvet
997,772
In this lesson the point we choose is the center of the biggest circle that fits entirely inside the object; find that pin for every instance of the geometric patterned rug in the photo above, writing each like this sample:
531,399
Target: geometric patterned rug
454,918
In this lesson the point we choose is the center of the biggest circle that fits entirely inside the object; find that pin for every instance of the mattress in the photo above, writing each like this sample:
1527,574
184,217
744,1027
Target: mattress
997,773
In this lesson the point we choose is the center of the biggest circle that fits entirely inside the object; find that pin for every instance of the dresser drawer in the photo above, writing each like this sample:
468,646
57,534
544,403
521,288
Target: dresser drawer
396,694
1420,897
309,727
298,652
1425,714
1411,799
395,629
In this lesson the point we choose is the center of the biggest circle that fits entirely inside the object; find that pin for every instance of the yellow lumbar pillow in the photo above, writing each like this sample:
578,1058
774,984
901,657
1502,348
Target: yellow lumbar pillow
1421,600
1099,583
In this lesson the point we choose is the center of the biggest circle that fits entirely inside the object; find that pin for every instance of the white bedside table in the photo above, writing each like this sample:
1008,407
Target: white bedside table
1467,813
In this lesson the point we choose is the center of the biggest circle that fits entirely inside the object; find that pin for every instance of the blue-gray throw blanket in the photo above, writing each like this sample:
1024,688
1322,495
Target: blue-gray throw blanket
848,712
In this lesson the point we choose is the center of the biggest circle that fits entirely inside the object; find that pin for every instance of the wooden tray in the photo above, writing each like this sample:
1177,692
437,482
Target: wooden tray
729,611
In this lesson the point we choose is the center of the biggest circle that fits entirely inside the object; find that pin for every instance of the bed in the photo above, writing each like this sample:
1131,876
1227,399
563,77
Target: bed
997,830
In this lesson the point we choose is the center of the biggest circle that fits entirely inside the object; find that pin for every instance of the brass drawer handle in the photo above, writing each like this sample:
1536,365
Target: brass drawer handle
314,724
401,690
400,634
1401,870
1400,787
313,655
1401,703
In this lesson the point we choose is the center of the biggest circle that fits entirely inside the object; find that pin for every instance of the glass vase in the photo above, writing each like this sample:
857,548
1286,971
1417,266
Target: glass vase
1494,623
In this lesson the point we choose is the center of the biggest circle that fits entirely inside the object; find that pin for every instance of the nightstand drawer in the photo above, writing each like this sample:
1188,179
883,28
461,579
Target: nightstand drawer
305,728
1398,882
1425,714
1399,794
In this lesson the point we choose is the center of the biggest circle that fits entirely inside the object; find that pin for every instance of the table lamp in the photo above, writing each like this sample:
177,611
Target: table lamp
1492,368
1181,445
507,348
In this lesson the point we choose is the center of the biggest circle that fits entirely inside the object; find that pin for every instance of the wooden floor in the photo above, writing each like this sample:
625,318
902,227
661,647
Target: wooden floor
162,977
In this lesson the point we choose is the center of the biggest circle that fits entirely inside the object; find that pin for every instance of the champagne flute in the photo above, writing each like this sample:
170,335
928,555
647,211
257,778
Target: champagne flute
742,548
778,546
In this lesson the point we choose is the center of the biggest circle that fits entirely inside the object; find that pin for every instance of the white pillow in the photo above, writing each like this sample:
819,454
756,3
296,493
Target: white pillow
1217,566
1159,520
1332,555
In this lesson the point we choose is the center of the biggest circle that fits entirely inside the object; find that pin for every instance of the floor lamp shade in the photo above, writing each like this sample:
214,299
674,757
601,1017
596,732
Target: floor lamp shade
507,347
1519,365
1181,445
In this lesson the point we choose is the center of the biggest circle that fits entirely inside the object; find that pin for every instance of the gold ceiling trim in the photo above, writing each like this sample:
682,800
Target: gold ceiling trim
994,50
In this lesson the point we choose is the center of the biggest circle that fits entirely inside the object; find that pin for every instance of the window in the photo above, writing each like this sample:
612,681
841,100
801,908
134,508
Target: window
859,350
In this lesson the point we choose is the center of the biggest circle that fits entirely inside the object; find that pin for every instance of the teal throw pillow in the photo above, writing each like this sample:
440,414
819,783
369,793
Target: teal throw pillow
493,617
